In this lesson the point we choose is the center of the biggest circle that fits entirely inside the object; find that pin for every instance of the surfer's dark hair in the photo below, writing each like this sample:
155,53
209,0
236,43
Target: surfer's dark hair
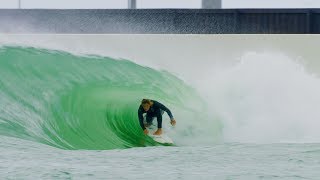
145,101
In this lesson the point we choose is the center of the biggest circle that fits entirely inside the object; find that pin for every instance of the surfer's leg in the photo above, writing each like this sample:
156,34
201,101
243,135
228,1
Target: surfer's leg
149,119
159,119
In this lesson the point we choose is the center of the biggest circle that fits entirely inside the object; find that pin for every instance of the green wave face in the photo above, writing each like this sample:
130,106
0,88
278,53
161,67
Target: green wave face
82,102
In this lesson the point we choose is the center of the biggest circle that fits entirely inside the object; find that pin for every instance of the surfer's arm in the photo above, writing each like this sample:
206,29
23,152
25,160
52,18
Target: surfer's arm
164,108
140,112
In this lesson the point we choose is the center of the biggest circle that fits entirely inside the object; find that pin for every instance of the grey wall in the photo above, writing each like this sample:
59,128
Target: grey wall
199,21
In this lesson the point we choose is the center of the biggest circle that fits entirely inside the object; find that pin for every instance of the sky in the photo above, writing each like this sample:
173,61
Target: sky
271,3
169,3
118,4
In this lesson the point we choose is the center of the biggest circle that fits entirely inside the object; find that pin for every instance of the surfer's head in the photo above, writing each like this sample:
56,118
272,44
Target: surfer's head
146,104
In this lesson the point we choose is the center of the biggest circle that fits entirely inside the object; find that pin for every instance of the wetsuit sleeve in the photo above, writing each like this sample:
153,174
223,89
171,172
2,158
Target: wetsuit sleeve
164,108
140,112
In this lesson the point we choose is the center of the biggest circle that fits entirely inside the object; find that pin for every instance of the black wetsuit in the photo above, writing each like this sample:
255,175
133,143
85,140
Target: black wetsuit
156,110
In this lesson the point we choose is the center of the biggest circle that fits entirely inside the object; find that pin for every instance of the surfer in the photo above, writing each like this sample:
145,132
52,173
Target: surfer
153,109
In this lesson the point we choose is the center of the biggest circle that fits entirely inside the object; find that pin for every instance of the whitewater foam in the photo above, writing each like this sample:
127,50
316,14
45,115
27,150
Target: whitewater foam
265,97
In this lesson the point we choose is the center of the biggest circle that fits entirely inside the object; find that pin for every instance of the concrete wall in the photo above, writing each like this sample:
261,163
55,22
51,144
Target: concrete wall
202,21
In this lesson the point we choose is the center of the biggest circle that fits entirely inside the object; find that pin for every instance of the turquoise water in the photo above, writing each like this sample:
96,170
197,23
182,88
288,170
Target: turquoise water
82,102
66,116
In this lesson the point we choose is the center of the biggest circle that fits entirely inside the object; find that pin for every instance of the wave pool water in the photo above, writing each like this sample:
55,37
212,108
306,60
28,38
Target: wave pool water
67,116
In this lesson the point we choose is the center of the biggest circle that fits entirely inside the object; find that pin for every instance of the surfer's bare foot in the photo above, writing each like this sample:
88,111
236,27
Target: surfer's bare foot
145,131
158,132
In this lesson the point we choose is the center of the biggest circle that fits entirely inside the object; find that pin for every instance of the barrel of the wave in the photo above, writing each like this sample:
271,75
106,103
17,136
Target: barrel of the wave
81,102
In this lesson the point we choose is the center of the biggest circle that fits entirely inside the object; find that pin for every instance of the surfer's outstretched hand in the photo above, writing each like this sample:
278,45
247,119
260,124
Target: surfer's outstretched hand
145,131
173,122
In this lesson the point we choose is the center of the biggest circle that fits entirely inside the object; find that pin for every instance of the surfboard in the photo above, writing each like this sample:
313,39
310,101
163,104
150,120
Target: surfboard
162,139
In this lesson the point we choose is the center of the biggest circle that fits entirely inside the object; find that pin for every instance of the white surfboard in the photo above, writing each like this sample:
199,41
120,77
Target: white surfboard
163,138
